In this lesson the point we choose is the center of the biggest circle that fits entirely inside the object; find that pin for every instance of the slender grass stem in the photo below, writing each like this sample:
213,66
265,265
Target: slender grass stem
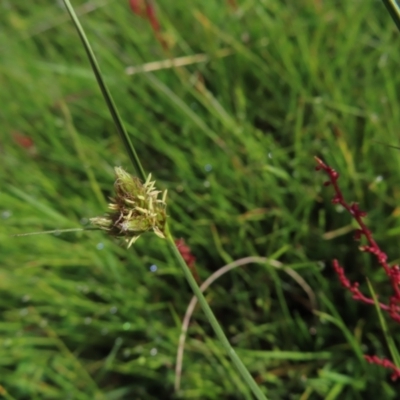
394,10
106,94
48,232
140,171
243,371
56,231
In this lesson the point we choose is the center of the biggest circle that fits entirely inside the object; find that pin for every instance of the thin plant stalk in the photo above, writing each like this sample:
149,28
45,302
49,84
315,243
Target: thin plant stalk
106,94
140,171
211,279
394,10
213,321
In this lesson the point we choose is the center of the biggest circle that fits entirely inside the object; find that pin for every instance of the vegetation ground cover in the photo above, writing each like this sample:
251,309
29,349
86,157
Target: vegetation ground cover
232,135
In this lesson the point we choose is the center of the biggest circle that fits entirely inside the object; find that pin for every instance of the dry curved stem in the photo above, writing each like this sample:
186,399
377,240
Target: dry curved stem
212,278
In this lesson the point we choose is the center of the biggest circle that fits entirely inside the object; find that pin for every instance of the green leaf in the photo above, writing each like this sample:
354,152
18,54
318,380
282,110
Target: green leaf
389,339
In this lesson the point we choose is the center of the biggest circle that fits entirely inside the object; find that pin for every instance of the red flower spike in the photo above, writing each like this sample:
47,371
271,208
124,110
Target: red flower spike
392,306
358,234
146,9
334,174
336,200
151,15
23,141
395,274
187,255
385,363
138,7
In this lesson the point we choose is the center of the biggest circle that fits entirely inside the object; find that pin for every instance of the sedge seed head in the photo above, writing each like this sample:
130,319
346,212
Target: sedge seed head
136,208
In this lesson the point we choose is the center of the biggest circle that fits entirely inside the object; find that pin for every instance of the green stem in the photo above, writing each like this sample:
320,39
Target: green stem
107,95
140,171
394,10
243,371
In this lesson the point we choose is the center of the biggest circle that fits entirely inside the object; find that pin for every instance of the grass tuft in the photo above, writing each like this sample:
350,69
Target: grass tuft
232,139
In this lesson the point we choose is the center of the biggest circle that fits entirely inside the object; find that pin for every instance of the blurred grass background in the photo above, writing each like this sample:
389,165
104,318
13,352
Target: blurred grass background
232,135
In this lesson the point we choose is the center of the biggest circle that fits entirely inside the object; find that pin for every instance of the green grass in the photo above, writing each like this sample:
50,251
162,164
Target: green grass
233,140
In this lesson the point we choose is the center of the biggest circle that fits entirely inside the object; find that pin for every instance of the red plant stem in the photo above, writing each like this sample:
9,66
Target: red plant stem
393,272
384,362
151,16
189,258
146,9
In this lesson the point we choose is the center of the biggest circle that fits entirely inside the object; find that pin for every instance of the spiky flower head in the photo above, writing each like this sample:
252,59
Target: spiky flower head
135,209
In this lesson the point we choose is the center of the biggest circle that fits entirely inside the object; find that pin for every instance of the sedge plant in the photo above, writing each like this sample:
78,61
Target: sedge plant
137,208
263,184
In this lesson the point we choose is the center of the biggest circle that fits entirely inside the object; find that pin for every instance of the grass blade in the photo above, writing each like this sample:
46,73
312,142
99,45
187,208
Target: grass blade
389,339
394,10
236,360
106,94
